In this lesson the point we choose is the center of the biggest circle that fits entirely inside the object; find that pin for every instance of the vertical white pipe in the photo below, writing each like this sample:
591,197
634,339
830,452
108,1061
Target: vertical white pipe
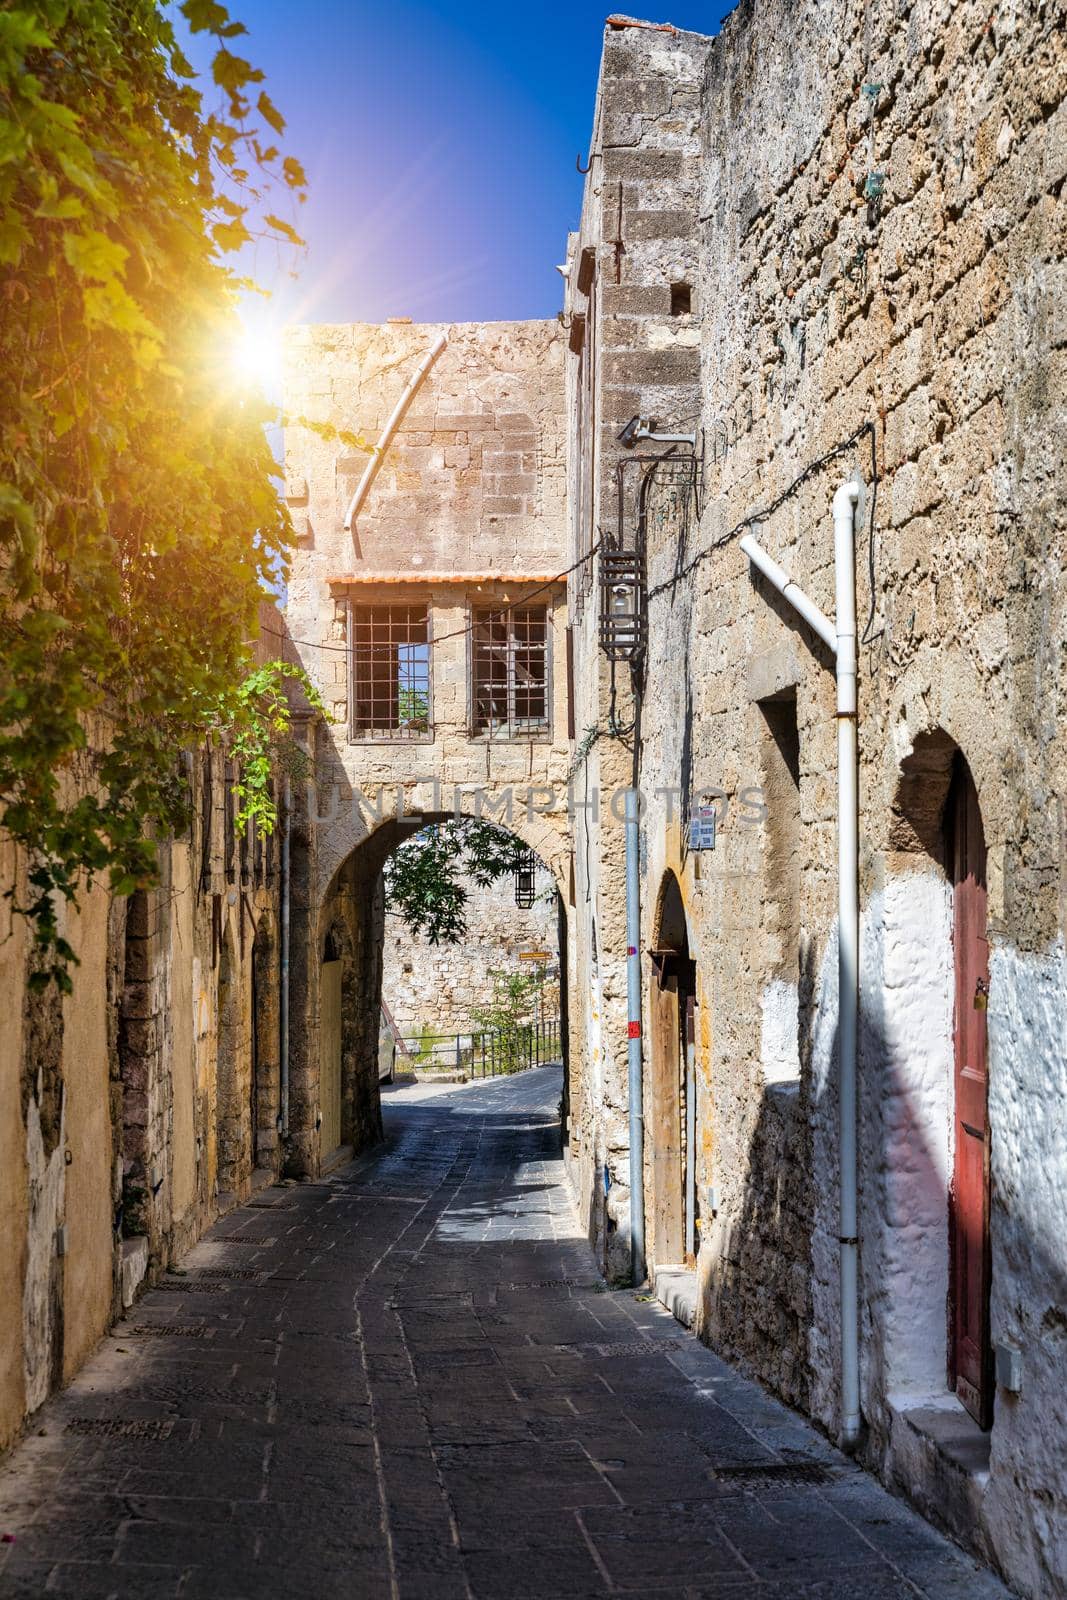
848,922
633,1044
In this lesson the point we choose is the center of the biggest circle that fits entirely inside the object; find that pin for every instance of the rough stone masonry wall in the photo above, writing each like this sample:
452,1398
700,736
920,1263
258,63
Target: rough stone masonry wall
110,1117
634,351
883,235
473,483
468,504
437,987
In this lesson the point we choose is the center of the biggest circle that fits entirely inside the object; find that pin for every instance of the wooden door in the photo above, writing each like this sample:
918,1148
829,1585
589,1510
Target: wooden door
330,1058
687,1008
970,1353
667,1112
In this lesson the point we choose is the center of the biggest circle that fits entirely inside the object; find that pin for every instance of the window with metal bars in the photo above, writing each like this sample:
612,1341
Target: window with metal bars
509,671
390,656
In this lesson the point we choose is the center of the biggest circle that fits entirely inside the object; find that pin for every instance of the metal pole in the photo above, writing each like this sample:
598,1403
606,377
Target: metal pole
633,1044
848,941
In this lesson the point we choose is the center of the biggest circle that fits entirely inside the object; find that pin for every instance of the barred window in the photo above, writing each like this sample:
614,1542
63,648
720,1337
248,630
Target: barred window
390,672
509,669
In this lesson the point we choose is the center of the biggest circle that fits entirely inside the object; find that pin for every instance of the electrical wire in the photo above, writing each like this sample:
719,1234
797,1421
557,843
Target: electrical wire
457,633
756,517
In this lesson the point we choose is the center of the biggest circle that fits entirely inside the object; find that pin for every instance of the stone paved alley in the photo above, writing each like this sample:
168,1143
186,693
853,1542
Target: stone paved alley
406,1380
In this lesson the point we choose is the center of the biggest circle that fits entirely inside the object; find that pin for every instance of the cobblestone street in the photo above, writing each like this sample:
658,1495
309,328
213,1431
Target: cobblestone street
405,1380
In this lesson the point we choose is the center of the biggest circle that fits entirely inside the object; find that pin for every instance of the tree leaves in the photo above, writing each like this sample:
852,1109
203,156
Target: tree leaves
270,113
93,255
139,525
422,877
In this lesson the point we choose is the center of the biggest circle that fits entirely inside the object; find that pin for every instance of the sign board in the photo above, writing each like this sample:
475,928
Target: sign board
535,955
702,828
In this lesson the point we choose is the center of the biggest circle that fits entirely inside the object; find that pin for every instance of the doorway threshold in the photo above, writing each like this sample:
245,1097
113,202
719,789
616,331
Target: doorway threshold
676,1288
336,1158
939,1457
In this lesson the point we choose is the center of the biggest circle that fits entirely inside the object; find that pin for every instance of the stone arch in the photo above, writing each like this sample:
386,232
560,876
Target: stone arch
940,705
929,913
340,835
265,1079
672,1061
230,1118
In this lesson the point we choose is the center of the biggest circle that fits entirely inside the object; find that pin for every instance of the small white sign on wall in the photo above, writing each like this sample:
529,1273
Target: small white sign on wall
702,828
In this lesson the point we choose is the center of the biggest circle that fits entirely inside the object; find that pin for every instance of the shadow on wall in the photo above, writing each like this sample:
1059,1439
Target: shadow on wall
772,1298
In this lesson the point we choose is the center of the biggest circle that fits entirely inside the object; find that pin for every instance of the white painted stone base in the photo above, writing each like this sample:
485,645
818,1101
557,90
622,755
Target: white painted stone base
676,1288
134,1267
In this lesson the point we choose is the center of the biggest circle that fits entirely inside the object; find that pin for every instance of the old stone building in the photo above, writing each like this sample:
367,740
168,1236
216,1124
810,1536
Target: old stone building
827,246
555,574
427,604
149,1101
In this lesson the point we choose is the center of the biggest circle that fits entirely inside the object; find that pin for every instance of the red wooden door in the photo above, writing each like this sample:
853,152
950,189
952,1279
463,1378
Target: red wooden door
970,1355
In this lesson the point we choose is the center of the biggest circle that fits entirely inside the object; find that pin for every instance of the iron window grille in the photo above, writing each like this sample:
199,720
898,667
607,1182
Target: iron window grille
390,666
509,671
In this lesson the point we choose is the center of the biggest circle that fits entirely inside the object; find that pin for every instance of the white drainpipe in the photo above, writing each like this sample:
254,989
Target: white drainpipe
634,1044
371,469
840,636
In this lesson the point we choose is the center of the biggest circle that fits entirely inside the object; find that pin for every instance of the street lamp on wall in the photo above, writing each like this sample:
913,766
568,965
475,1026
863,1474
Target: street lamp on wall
622,604
526,880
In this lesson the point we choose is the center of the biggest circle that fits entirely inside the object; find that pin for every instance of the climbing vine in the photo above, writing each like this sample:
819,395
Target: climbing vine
259,718
139,524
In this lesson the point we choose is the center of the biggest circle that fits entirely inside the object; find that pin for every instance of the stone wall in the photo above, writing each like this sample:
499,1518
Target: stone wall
136,1109
467,510
435,987
878,232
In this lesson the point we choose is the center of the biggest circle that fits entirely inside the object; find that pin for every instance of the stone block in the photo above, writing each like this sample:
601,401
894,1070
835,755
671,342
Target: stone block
659,225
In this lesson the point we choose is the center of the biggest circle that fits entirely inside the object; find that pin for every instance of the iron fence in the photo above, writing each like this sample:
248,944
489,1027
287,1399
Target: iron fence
489,1053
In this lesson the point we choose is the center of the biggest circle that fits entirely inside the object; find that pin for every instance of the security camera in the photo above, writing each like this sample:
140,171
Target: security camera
629,435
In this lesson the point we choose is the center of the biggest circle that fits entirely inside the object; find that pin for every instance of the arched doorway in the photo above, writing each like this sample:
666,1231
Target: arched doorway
936,1154
228,1111
330,1045
674,1098
265,1086
970,1347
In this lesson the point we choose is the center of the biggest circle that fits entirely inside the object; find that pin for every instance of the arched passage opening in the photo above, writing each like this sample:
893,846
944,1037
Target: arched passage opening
674,1099
473,1021
265,1077
231,1120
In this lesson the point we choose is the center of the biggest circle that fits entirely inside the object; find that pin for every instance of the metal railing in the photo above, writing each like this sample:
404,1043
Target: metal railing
486,1054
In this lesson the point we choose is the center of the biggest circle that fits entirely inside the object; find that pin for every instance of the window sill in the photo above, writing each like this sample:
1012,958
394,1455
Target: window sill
543,736
395,743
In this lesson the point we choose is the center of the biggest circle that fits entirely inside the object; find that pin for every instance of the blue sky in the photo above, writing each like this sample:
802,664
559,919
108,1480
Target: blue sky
439,142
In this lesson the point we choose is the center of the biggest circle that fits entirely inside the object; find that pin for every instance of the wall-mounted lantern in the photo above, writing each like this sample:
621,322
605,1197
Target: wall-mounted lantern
526,880
622,604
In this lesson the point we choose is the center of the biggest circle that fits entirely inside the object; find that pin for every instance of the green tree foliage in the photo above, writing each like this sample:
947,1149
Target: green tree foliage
139,523
509,1014
423,878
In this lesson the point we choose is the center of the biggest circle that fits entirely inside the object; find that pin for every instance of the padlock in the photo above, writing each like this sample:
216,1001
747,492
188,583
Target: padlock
981,995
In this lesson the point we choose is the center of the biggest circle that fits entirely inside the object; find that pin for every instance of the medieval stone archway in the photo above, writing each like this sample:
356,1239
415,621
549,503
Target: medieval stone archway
265,1079
347,915
937,1049
672,1037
